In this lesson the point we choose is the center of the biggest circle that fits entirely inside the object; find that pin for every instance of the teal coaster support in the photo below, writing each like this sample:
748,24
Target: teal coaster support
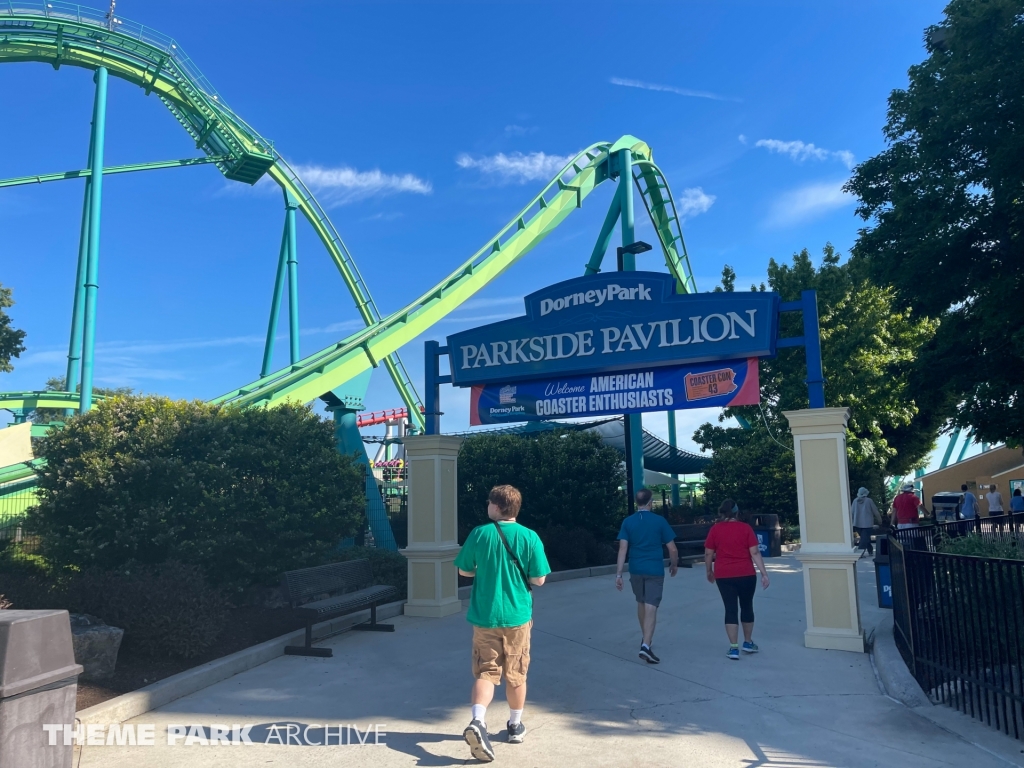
290,204
71,379
345,403
99,122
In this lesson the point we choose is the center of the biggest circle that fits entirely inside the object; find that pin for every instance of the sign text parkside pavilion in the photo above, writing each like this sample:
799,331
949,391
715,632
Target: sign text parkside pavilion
621,342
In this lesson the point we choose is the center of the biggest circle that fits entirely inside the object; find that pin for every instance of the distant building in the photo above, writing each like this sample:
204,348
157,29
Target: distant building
1002,466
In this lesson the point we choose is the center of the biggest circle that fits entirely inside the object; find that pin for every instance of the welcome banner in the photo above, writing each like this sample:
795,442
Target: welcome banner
718,384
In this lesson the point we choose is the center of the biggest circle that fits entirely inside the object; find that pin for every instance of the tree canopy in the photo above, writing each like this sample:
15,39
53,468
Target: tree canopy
11,338
868,347
945,206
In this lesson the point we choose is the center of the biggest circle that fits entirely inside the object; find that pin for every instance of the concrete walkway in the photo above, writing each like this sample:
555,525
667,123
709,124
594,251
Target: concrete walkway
592,701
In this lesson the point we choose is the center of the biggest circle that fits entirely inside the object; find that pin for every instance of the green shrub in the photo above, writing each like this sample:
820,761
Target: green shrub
164,610
245,494
389,567
567,478
976,545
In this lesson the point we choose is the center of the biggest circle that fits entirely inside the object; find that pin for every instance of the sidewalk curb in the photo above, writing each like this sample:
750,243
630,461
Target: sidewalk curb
892,670
129,705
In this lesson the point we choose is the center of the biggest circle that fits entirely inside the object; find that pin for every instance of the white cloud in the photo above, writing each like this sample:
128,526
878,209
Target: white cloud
799,151
517,167
668,89
519,130
742,138
343,185
693,202
808,202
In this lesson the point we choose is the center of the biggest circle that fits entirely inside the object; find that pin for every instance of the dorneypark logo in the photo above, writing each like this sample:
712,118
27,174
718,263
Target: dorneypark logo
596,297
215,734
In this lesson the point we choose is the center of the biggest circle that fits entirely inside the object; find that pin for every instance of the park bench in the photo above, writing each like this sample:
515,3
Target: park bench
354,580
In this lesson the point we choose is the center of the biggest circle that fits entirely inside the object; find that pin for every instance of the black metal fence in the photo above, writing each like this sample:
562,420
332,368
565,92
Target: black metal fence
959,625
928,537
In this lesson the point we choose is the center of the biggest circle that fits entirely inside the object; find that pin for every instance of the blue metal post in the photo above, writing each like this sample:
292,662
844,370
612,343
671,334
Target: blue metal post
99,121
812,348
672,444
275,304
636,432
71,380
432,381
293,278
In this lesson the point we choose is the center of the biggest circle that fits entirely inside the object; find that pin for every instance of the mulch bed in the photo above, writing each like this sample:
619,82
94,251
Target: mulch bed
245,627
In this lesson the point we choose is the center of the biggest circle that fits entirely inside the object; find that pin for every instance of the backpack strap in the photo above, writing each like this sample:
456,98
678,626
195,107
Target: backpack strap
513,554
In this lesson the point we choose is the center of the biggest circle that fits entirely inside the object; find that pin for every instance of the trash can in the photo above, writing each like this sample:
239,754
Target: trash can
883,574
38,683
946,506
769,534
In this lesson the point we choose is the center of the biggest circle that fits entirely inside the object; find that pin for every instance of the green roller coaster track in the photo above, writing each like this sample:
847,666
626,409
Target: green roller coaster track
61,34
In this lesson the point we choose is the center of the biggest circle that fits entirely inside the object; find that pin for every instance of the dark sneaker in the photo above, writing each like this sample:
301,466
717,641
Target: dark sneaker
734,654
648,655
750,648
476,736
516,732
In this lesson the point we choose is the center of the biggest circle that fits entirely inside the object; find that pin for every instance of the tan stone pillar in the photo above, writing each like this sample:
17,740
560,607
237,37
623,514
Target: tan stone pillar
432,465
826,538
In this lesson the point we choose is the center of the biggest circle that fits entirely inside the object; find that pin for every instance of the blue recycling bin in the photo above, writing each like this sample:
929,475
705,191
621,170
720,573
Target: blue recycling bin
883,573
769,534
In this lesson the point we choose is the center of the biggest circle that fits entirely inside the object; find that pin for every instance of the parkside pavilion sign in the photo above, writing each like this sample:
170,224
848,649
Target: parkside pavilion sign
618,321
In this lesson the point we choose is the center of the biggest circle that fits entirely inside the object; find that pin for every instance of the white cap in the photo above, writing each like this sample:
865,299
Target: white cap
907,487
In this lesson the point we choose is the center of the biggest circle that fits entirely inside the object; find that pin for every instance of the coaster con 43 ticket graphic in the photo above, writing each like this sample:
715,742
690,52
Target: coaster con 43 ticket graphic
719,384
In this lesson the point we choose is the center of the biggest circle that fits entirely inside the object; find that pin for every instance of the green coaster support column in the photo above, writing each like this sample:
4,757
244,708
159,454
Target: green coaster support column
99,121
345,403
290,204
636,432
71,379
275,304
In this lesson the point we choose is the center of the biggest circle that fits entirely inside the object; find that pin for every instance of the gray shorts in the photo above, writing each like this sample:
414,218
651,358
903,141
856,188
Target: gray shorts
647,589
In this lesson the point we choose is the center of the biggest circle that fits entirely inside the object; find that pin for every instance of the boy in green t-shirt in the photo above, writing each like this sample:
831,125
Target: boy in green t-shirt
504,559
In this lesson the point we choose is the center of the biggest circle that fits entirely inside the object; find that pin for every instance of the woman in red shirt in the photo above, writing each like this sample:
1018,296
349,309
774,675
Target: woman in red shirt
733,547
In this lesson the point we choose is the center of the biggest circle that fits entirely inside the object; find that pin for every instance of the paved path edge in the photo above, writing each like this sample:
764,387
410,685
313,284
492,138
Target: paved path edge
892,670
129,705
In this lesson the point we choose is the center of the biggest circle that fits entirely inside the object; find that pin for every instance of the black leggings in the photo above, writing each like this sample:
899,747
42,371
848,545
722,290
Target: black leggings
741,589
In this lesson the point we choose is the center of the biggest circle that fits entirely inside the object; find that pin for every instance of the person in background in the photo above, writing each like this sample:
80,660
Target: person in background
505,560
865,515
905,507
1016,501
642,534
969,506
995,500
732,547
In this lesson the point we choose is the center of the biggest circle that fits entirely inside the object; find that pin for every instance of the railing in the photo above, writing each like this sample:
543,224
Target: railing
928,537
959,625
15,499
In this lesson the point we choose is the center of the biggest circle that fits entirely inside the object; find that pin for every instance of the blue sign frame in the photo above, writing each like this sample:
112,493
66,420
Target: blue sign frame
810,340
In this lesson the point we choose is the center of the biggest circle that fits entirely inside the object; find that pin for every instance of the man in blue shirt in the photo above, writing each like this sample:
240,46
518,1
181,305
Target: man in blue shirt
969,506
642,535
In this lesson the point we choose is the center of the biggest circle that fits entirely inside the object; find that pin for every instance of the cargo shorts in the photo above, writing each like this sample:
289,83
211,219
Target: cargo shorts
501,651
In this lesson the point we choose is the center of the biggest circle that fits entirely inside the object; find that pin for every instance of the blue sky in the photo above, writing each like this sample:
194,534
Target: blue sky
425,127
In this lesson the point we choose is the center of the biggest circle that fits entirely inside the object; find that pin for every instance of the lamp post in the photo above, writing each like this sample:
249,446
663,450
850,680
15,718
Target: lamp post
627,432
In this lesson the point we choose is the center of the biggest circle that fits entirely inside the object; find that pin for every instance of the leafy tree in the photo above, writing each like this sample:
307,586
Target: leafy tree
245,494
10,338
945,202
868,350
567,478
58,384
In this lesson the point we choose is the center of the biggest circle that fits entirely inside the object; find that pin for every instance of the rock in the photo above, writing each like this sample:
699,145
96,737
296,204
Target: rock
96,645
